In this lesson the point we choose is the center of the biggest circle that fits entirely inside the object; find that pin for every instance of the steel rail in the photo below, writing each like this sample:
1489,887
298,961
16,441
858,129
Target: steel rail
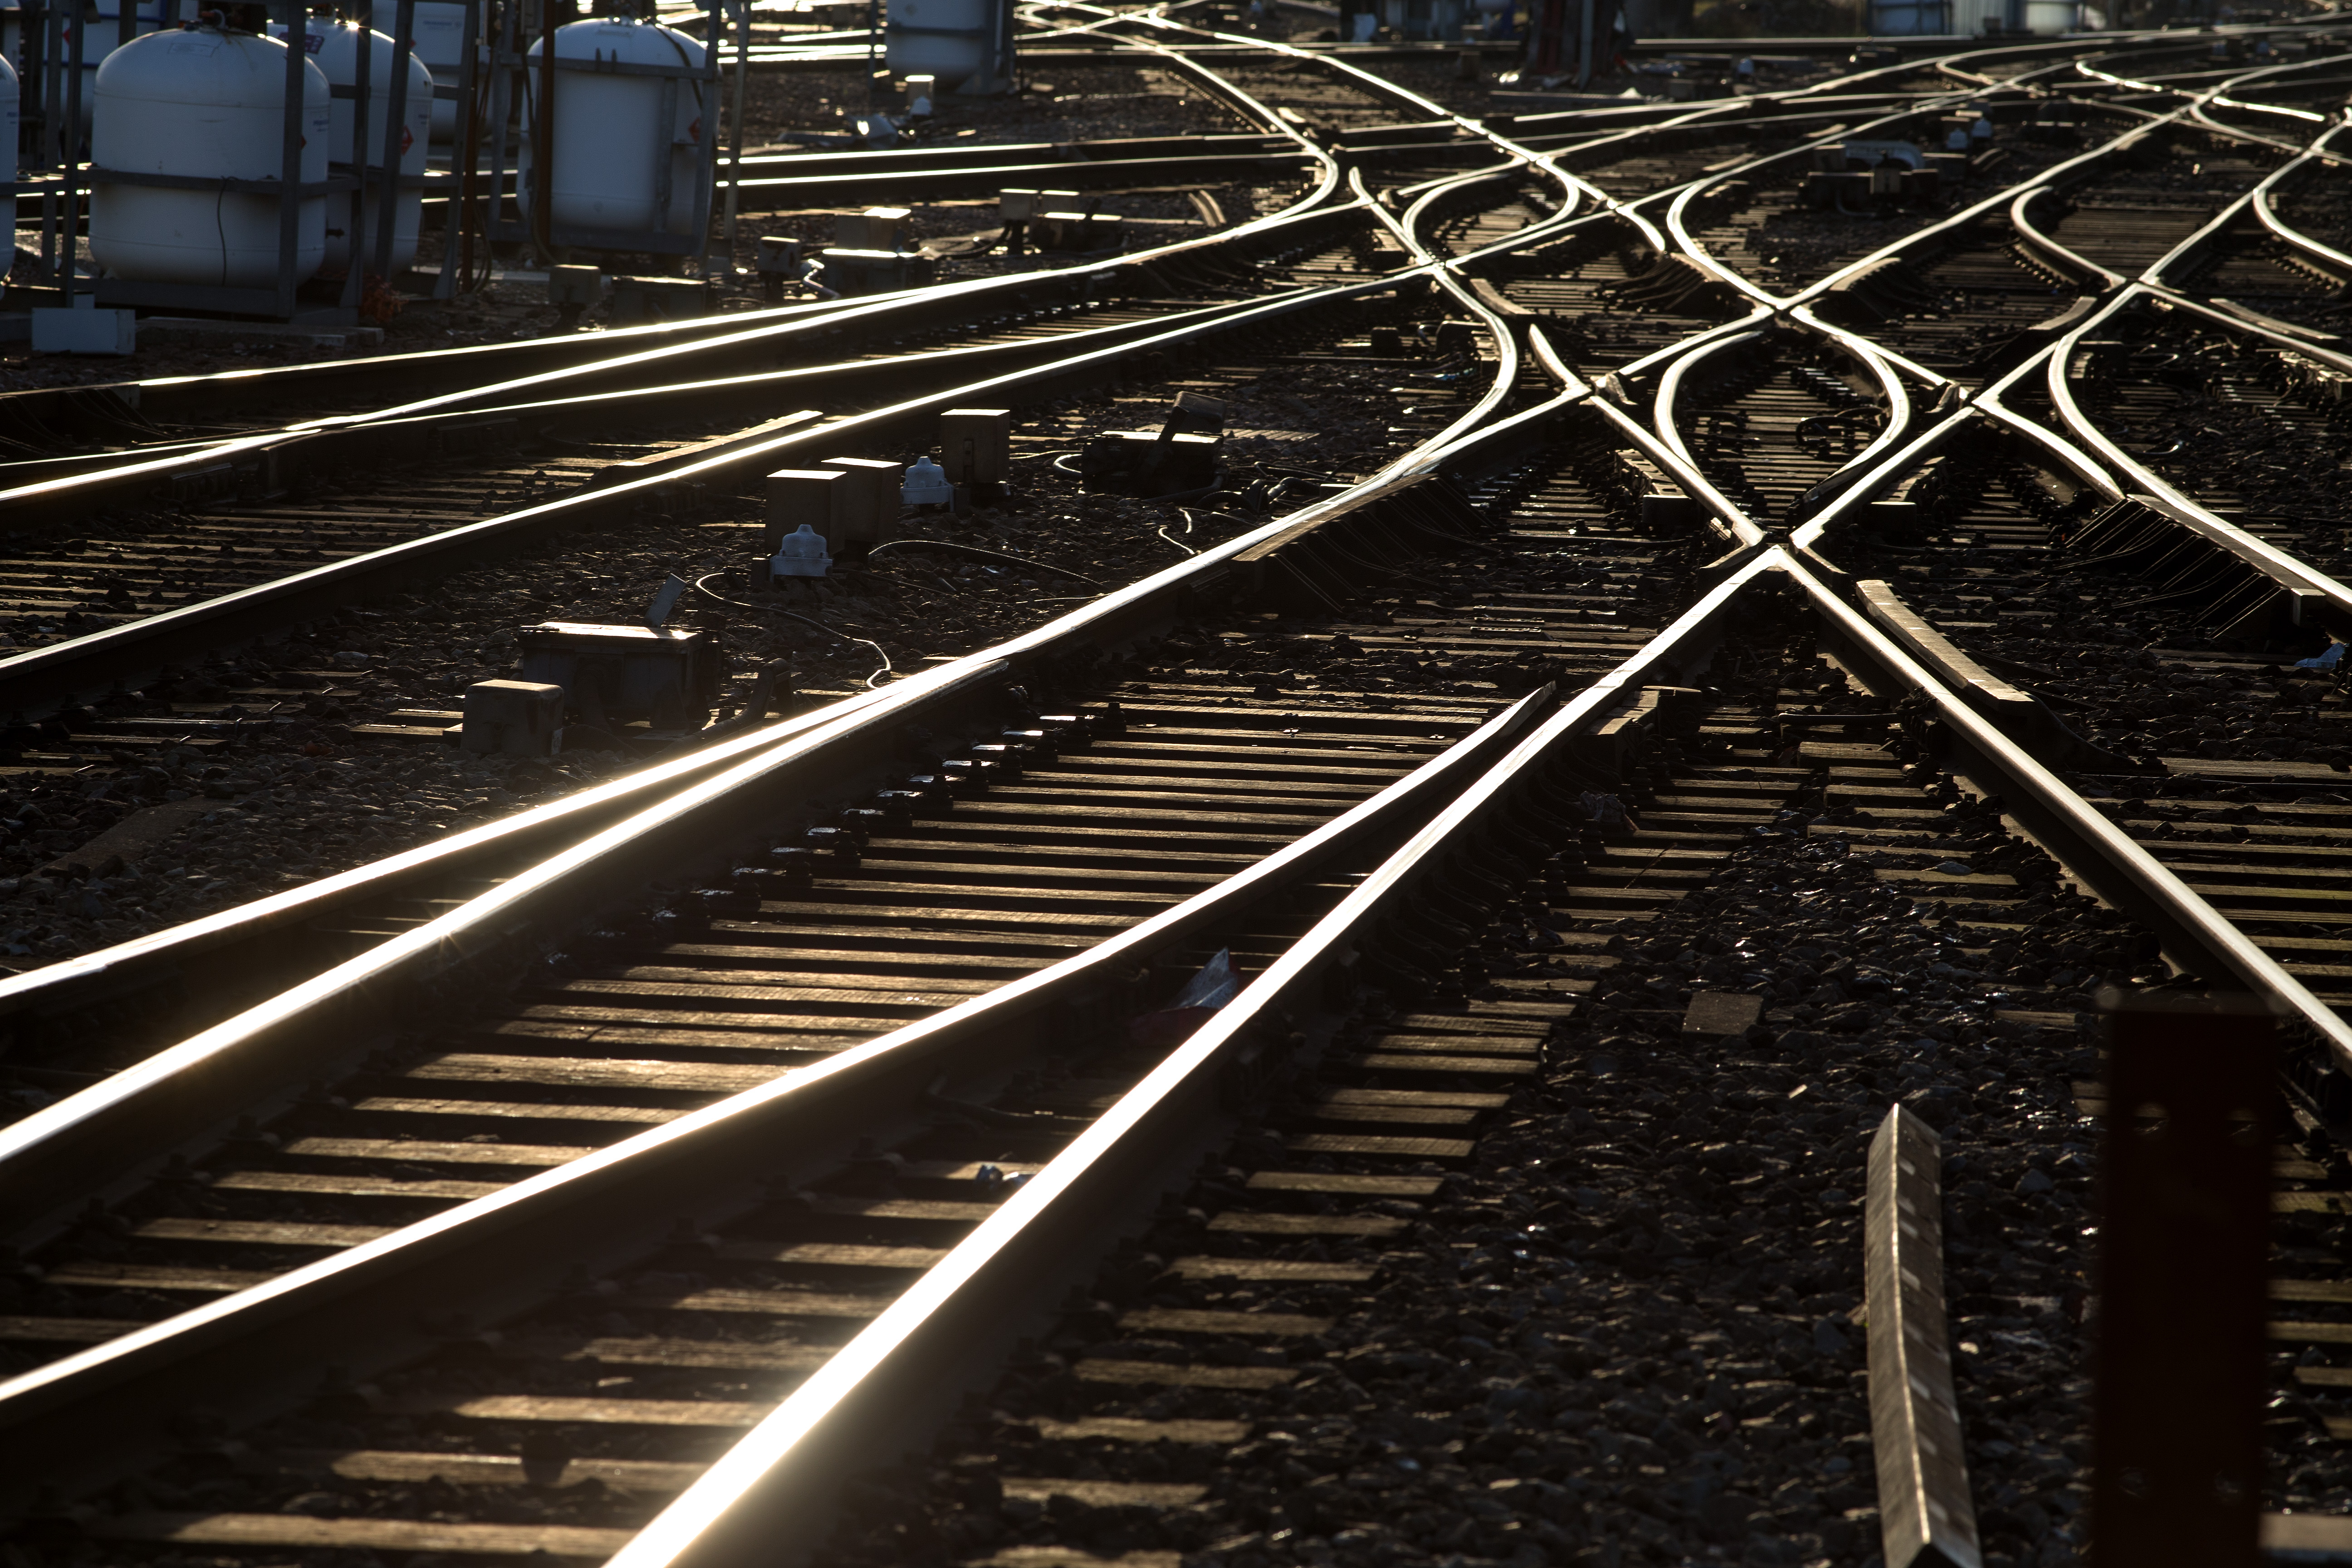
159,958
1733,527
890,311
842,380
1506,347
776,1484
2068,171
1676,217
1925,1515
2097,278
1664,410
91,1413
2328,257
216,391
41,679
207,948
1988,401
67,1141
37,681
2074,832
774,182
2293,575
2297,580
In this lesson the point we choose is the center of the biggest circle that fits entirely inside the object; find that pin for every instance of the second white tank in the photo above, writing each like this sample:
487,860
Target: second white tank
206,103
334,46
609,140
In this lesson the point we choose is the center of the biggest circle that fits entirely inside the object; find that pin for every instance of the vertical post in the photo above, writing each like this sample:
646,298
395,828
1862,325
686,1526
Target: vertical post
1584,49
709,92
735,124
666,162
77,32
2176,1424
395,123
355,229
506,61
872,47
457,247
543,140
289,161
52,89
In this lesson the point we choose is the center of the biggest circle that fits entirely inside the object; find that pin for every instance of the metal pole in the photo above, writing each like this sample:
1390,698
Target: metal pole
289,162
2184,1254
735,124
355,229
1584,49
664,161
77,29
505,53
468,151
45,136
543,140
395,132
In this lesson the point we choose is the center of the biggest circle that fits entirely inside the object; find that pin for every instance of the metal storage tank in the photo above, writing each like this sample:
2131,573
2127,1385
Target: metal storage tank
608,139
441,43
334,47
967,44
206,103
9,94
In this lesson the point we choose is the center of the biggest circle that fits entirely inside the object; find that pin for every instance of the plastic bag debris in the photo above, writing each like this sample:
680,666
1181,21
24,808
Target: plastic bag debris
2328,661
1218,982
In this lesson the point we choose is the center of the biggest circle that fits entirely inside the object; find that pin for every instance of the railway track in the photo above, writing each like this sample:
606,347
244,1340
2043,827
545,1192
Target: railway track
1742,595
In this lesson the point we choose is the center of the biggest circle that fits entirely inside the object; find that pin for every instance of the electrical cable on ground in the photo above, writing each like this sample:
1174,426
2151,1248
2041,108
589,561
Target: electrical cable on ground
975,551
702,585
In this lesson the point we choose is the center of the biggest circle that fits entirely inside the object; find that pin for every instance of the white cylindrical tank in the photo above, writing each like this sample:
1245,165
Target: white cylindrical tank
441,44
9,93
210,104
335,46
609,141
954,40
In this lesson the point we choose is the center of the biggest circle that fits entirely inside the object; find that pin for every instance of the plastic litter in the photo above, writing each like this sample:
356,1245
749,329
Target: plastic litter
2328,661
802,554
1218,982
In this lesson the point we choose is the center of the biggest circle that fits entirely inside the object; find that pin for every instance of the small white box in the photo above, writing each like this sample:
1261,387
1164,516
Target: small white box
83,329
